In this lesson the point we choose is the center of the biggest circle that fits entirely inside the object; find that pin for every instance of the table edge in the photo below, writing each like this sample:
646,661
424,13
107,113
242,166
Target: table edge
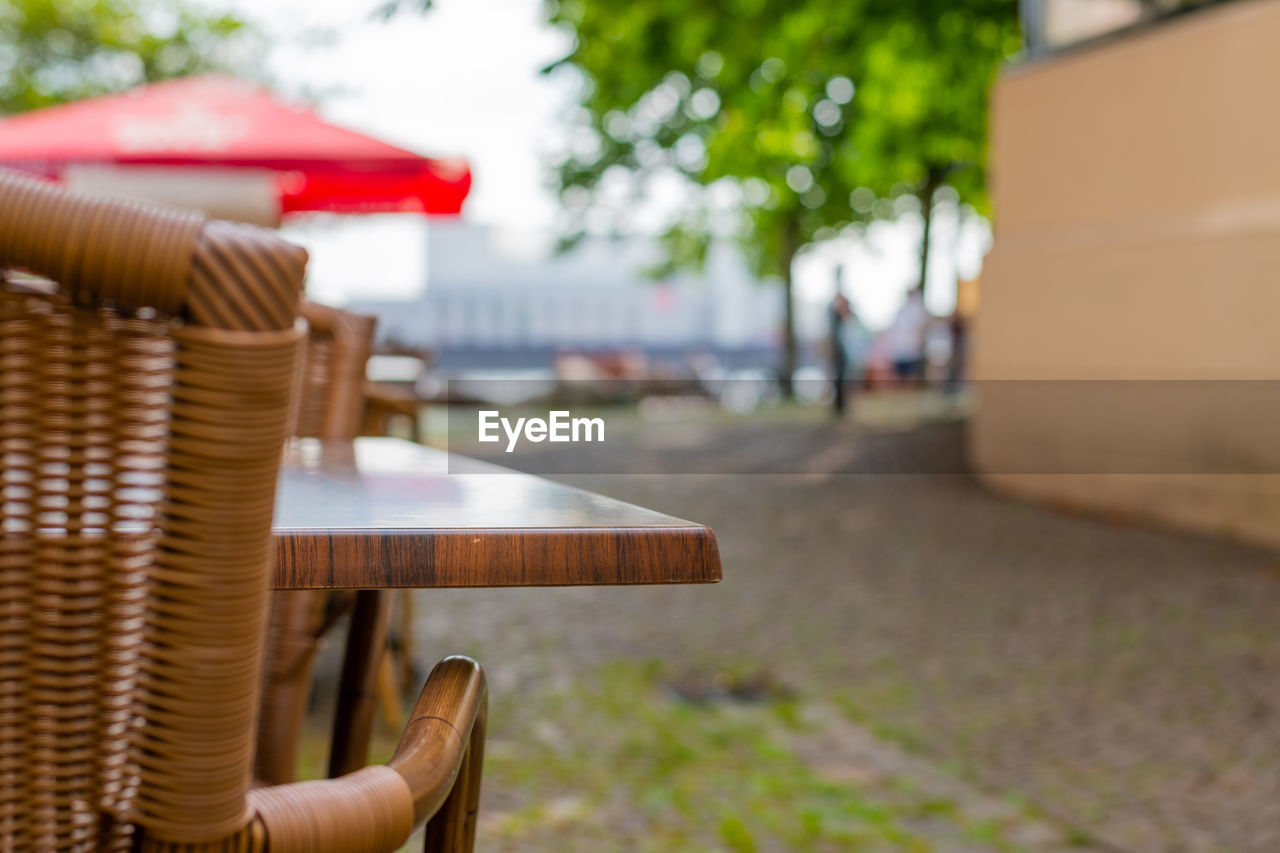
410,558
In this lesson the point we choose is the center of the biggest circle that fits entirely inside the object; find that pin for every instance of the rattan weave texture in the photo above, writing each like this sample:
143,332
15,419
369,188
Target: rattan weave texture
146,388
339,344
330,406
143,405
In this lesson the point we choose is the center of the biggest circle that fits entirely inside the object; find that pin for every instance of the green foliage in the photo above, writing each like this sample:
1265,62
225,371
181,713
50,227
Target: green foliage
52,51
391,8
816,113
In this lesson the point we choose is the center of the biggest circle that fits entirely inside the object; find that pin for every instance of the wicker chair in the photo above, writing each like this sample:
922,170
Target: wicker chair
144,400
330,406
338,348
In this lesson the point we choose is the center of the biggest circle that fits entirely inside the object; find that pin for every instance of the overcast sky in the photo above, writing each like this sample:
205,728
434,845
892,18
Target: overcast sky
464,80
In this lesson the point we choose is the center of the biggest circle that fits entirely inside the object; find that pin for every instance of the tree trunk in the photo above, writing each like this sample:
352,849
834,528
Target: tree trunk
788,367
925,194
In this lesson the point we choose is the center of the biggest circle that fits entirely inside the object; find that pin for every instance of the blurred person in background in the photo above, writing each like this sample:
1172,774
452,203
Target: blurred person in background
905,338
849,344
857,347
959,326
838,313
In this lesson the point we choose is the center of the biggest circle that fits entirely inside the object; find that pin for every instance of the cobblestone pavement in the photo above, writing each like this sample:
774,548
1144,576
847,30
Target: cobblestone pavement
1123,680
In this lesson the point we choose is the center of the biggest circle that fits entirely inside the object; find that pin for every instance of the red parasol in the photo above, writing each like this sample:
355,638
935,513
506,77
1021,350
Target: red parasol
221,123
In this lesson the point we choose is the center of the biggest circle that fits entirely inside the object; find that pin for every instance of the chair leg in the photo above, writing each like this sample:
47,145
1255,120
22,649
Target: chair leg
409,677
296,617
453,828
397,674
357,697
389,695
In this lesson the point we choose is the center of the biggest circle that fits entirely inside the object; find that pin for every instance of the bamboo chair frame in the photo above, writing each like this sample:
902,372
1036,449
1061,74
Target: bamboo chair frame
144,402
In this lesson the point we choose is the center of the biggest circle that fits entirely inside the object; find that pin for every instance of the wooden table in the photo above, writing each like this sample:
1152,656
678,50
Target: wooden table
386,513
383,513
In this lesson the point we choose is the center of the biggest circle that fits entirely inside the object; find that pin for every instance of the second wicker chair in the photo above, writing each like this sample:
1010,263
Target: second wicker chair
330,405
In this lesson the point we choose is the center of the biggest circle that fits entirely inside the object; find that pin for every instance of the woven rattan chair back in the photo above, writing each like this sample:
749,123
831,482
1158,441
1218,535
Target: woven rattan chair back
144,401
331,406
339,344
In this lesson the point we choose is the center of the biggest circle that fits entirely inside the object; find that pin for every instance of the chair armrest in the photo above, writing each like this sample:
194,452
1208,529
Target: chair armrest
374,810
435,739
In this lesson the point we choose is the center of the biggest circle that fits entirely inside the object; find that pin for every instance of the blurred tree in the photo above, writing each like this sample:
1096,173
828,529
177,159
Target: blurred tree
798,118
391,8
52,51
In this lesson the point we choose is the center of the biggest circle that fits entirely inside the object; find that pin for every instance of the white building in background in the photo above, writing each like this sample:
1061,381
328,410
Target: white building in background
497,298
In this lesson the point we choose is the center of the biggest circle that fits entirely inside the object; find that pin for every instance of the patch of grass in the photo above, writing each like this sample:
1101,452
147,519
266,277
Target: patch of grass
616,762
875,722
1078,837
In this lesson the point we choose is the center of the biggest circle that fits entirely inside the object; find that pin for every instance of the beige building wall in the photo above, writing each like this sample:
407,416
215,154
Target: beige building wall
1131,302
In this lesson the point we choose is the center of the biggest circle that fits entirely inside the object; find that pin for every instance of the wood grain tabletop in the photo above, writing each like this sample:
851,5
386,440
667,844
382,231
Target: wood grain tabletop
384,513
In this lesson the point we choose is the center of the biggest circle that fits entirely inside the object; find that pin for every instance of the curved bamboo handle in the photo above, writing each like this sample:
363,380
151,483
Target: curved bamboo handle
376,808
